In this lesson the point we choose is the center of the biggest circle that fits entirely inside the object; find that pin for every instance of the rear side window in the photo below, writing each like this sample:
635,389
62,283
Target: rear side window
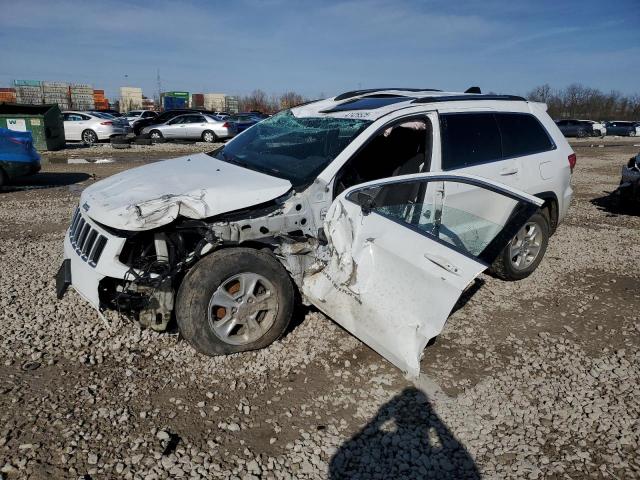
474,138
469,139
522,135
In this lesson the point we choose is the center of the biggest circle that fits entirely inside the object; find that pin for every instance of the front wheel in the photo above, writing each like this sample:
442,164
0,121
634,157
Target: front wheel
89,137
155,134
582,133
525,251
234,300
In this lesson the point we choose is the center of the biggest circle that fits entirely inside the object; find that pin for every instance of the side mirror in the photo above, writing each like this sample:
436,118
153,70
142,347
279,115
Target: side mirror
366,202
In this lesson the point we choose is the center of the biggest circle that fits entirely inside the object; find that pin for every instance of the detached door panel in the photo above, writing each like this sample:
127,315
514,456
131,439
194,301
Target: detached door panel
401,252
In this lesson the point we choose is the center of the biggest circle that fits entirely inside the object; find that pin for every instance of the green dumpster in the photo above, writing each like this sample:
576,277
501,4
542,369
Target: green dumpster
43,121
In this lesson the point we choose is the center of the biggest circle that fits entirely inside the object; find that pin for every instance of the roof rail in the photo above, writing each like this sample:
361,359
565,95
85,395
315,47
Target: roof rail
473,96
357,93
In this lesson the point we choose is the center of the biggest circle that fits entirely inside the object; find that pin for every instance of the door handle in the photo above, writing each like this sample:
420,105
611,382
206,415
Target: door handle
509,171
442,263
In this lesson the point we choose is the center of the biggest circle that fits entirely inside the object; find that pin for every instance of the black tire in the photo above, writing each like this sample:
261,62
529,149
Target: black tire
503,266
581,133
209,136
4,178
121,139
208,275
155,134
89,137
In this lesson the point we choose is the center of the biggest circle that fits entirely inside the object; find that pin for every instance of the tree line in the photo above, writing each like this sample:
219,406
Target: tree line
259,101
578,101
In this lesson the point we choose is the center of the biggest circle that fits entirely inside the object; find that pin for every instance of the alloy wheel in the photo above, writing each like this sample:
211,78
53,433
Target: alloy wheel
525,246
243,308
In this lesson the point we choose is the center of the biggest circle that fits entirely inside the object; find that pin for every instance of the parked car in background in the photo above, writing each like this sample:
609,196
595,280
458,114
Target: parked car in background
192,126
599,128
115,113
134,115
622,128
629,189
379,207
575,128
121,121
242,121
18,156
164,117
90,128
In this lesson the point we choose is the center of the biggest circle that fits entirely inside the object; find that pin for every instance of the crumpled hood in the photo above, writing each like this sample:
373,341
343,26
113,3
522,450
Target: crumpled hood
194,186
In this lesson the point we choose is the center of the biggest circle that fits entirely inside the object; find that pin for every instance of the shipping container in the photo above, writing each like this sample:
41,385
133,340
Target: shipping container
26,83
197,100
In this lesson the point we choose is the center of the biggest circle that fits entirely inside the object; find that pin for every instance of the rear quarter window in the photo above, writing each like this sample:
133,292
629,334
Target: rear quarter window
522,134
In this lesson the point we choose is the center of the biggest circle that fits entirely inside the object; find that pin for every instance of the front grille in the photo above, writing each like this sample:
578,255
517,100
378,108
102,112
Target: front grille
86,241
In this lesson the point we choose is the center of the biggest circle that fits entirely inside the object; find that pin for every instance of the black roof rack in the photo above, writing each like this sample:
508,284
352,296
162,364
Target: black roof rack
472,96
356,93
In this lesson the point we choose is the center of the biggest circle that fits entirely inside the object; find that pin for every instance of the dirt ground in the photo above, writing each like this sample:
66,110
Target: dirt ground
531,379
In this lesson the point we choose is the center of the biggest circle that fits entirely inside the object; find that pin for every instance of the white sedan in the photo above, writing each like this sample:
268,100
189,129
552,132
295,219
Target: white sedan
192,126
89,127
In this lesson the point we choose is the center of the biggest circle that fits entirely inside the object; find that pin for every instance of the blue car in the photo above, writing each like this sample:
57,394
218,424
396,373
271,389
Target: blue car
241,121
18,157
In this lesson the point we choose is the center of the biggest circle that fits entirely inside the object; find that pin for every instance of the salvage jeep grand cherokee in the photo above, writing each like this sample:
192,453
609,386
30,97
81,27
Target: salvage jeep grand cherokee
379,207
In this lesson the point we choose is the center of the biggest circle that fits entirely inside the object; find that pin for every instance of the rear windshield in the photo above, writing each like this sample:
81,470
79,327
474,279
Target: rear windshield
296,149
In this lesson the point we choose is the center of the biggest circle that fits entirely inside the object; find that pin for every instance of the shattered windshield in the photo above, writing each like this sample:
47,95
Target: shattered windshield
286,146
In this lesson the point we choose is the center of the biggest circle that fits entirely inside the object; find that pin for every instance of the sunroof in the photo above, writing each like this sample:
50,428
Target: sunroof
369,103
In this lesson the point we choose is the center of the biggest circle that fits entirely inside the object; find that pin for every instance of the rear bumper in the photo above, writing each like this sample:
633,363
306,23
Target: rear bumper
567,196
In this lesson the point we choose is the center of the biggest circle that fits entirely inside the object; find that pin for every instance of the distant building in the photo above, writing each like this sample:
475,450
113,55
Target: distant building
215,102
148,104
231,104
130,98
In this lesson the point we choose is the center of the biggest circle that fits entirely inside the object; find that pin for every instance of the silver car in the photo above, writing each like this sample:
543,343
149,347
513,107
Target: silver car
191,126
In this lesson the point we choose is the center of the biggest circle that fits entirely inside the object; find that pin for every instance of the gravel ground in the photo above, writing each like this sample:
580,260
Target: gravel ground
533,379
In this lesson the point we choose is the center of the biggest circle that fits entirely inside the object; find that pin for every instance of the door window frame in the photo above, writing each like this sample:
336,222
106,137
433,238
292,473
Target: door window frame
422,116
493,248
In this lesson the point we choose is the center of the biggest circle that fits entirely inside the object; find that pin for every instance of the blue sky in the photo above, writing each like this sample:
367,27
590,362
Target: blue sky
322,47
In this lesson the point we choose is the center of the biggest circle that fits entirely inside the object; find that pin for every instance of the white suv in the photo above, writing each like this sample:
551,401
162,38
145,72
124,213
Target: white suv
379,207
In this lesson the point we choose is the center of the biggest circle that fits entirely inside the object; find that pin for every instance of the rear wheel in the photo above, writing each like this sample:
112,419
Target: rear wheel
89,137
209,137
525,251
234,300
155,134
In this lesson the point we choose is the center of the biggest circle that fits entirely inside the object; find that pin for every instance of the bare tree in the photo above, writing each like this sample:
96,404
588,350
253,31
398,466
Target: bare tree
290,100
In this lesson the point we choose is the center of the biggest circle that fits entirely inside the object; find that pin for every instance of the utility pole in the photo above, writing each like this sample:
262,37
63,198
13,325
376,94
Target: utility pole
159,89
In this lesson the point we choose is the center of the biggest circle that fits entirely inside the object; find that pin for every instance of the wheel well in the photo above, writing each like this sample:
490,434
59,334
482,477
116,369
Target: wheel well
551,206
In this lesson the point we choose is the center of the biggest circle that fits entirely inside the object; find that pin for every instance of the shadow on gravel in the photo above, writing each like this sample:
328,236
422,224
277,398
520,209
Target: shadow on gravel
45,180
612,204
406,439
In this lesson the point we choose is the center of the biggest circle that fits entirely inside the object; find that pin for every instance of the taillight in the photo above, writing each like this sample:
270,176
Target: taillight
572,161
226,125
106,123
